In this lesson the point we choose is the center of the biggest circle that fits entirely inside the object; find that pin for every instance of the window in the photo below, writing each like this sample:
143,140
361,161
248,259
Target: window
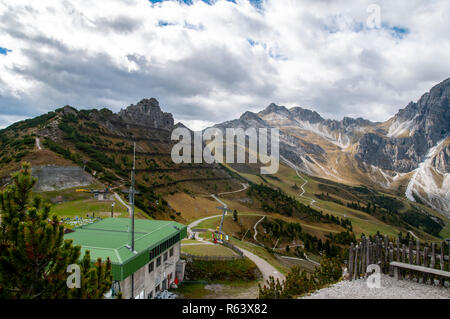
151,266
171,252
165,256
158,262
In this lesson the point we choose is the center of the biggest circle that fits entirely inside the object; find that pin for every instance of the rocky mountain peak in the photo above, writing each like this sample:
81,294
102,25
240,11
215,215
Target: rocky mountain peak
147,112
428,118
274,108
306,115
249,116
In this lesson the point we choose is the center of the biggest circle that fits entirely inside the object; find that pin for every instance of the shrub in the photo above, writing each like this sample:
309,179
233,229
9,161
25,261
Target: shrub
229,270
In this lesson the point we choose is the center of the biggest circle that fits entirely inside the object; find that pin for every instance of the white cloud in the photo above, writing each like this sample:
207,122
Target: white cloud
210,63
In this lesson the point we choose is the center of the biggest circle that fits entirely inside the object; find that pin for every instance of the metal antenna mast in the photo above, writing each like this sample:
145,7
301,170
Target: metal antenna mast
131,198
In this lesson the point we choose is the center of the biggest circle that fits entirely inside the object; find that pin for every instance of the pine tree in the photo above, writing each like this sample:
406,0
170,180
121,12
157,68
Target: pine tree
33,254
235,215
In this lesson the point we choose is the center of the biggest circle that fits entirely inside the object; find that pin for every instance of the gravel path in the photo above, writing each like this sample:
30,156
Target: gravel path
390,289
266,269
123,203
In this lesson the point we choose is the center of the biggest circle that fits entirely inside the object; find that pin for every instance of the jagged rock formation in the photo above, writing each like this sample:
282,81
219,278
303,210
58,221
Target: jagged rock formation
411,133
148,113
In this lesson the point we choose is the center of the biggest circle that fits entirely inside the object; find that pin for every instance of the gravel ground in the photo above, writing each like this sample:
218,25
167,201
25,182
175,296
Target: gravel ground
390,289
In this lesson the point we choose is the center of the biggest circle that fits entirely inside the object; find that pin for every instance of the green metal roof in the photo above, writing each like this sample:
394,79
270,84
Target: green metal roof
109,237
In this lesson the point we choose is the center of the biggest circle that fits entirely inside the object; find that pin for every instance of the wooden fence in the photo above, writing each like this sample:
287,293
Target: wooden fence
382,252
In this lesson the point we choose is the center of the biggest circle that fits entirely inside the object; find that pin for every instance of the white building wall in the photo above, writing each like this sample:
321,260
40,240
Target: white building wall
146,283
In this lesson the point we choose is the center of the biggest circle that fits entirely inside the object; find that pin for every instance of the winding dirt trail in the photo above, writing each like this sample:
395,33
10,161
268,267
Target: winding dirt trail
295,168
256,231
123,203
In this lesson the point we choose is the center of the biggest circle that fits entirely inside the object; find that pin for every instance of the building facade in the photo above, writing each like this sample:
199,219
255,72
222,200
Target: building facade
152,267
164,269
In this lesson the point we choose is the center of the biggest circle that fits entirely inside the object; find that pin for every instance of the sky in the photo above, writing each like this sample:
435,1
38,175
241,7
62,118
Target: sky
209,61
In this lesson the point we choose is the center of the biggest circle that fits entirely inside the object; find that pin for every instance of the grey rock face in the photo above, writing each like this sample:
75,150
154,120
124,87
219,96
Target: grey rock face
306,115
431,114
147,112
427,122
54,177
398,154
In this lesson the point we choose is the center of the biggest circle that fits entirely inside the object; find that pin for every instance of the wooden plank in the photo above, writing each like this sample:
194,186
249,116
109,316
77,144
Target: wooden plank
404,253
356,261
442,261
425,256
417,252
425,263
398,249
391,256
422,269
379,248
368,254
350,261
386,250
410,253
363,257
433,255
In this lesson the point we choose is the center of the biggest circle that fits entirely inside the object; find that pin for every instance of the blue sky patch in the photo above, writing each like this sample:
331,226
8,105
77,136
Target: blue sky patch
4,51
399,32
256,3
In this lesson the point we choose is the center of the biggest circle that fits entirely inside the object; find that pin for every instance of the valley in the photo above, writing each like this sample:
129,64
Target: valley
333,185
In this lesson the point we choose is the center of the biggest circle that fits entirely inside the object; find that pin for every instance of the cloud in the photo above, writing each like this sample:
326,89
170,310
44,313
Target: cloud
209,61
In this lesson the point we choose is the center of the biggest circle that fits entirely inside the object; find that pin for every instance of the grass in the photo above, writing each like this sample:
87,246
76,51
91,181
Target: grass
208,250
82,207
362,222
217,290
262,253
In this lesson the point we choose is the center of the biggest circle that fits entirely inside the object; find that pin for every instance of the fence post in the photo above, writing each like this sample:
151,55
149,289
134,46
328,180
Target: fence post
391,256
403,253
363,257
350,261
442,259
433,255
356,261
368,245
410,252
398,249
417,252
425,263
386,252
380,250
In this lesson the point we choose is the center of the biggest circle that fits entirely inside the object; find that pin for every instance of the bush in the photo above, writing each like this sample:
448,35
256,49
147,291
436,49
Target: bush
230,270
298,282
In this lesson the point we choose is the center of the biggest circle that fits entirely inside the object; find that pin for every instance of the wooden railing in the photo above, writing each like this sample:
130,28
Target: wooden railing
382,251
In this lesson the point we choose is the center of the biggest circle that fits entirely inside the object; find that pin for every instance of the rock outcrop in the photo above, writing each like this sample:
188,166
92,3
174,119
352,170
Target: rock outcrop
148,113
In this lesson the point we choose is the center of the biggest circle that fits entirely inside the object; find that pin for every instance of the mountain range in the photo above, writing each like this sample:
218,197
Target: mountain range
409,153
406,156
